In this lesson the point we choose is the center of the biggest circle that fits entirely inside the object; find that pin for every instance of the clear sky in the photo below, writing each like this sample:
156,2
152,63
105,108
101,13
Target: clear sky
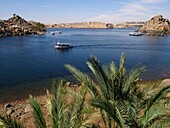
59,11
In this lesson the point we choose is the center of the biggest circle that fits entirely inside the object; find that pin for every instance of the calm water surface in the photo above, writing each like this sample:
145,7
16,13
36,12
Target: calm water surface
30,59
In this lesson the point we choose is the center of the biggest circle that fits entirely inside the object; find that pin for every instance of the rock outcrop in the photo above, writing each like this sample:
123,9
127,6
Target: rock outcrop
156,26
17,26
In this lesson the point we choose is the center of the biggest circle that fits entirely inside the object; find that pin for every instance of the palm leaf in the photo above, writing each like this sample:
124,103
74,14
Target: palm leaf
122,68
103,115
58,103
37,113
84,78
159,96
121,120
153,114
133,78
99,74
8,122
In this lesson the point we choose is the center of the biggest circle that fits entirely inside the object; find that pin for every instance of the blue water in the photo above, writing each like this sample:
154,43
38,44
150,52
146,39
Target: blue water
33,58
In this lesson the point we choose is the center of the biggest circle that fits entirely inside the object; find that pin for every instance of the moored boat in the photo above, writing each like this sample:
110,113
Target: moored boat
55,32
135,34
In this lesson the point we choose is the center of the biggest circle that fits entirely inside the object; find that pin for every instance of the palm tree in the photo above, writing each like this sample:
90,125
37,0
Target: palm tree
116,94
63,115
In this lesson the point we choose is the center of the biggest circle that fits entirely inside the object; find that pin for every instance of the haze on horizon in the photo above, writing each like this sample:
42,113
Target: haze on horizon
64,11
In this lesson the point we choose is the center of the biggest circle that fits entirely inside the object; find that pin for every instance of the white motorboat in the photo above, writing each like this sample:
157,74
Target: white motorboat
135,34
62,45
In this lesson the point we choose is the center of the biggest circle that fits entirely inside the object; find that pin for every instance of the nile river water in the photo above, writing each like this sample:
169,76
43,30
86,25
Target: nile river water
30,61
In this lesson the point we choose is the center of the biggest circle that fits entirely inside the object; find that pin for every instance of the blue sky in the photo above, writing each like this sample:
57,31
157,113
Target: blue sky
59,11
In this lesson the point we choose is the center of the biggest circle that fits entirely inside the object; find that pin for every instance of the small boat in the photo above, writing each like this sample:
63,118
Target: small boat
55,32
135,34
63,45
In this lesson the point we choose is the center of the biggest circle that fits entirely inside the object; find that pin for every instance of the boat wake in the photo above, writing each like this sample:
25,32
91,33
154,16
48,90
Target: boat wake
122,46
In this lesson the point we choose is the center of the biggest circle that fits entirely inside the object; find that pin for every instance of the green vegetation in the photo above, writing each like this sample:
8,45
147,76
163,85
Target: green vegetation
39,27
115,95
121,102
9,122
62,115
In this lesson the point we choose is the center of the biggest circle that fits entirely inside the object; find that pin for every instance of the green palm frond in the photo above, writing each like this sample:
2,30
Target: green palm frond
70,117
100,75
58,104
132,78
98,71
148,89
104,118
37,113
121,120
119,97
112,84
113,71
84,78
8,122
64,115
153,114
155,111
122,68
161,123
159,96
79,106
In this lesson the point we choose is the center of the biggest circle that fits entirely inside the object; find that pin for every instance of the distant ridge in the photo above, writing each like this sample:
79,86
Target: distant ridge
96,25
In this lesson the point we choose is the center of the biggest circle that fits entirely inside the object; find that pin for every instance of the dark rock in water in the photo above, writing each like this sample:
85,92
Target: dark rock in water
156,26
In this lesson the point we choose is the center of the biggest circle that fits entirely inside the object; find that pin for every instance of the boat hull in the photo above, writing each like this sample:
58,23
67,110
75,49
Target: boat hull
135,34
63,47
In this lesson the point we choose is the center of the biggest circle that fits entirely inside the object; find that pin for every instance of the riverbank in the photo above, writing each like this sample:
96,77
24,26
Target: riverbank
22,110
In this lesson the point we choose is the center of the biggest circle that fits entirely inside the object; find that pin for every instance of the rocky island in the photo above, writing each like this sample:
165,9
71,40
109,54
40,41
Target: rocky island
156,26
17,26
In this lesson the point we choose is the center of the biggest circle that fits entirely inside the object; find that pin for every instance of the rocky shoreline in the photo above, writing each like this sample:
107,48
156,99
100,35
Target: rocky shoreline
17,26
22,110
